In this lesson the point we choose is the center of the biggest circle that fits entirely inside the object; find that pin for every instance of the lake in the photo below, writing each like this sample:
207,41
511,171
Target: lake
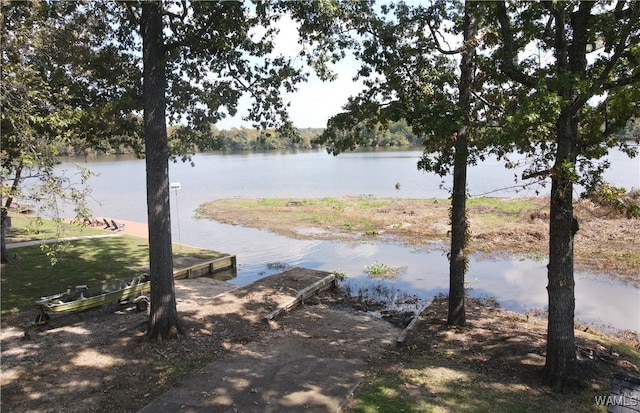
516,283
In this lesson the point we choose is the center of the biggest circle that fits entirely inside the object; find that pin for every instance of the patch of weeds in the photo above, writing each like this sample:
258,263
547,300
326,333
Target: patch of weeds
378,269
366,226
340,274
534,256
348,225
370,230
384,391
616,199
535,312
319,218
277,265
489,301
333,203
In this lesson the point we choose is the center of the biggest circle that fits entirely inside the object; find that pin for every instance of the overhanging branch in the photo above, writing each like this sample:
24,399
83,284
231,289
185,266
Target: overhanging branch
508,66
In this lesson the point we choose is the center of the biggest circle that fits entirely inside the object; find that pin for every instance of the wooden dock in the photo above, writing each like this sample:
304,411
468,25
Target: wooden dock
228,262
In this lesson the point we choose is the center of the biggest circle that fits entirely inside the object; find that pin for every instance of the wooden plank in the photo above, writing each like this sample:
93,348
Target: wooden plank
301,296
208,267
403,336
223,263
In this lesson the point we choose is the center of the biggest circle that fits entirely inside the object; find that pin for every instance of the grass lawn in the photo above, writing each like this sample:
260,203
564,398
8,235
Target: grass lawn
29,228
85,261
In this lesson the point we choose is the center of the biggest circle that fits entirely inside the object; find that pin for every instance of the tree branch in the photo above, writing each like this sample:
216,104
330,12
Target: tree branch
508,61
439,46
620,48
543,173
133,14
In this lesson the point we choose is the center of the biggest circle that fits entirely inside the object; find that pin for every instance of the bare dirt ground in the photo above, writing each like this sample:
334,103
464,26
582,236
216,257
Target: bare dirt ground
498,355
99,360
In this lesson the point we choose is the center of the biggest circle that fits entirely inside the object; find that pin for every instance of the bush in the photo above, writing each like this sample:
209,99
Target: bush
618,200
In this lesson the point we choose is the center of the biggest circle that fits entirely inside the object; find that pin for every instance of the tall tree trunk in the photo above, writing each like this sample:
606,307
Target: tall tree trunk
560,365
164,322
4,256
458,257
459,225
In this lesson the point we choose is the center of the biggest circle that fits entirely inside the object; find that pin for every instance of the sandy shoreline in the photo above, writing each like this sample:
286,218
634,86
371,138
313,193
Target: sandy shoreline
136,229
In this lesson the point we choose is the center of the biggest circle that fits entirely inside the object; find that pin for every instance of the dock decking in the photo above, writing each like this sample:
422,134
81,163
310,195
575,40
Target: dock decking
227,262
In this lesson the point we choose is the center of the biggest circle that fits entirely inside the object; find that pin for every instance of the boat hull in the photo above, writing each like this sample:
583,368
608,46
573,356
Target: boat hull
68,301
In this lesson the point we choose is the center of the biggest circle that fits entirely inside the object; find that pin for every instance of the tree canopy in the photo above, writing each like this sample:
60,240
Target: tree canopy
58,89
552,80
565,102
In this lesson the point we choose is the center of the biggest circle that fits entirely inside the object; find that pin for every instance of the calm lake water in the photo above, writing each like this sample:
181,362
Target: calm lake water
516,283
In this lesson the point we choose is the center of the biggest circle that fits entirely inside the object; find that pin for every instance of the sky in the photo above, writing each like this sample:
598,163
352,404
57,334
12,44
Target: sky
315,101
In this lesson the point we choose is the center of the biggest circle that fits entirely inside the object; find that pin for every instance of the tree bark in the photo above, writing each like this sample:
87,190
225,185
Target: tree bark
459,225
164,322
4,256
560,365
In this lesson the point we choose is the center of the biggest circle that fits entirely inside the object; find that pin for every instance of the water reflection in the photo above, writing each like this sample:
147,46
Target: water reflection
516,284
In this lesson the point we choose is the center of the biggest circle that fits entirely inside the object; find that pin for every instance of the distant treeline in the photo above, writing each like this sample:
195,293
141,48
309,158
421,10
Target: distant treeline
250,139
242,139
398,134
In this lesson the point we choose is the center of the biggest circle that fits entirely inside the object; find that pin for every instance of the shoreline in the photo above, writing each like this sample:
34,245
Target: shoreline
606,244
137,229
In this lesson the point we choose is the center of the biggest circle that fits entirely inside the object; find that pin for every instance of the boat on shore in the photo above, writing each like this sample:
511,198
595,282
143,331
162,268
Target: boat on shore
84,297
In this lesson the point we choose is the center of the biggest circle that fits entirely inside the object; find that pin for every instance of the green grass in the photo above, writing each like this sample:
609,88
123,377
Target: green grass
380,270
364,225
493,211
84,261
429,386
88,261
29,228
504,205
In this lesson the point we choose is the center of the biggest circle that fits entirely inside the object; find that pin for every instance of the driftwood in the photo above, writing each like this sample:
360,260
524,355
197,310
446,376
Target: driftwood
301,296
403,335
